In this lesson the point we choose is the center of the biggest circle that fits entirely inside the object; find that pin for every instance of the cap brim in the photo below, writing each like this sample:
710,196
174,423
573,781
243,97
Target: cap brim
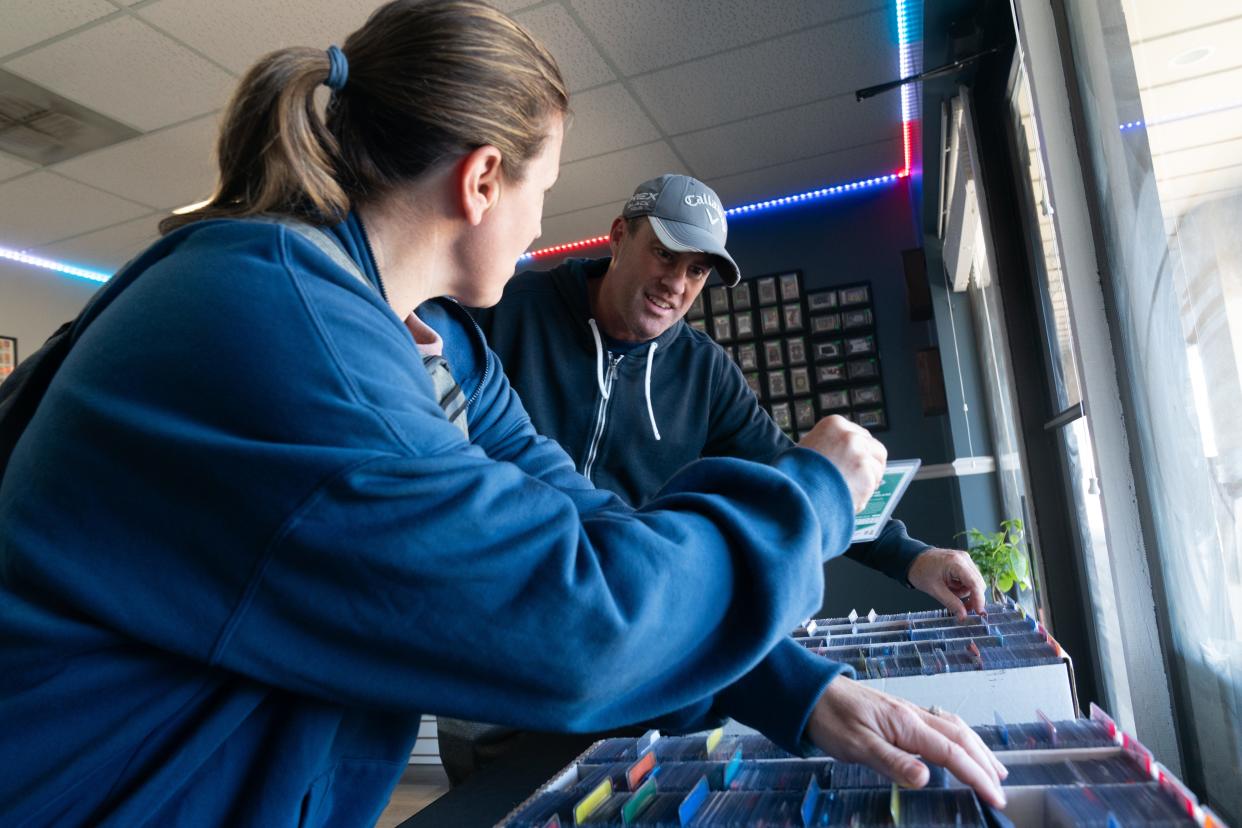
687,238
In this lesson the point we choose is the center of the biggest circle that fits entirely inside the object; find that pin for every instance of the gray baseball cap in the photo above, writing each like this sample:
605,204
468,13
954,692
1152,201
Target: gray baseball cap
687,217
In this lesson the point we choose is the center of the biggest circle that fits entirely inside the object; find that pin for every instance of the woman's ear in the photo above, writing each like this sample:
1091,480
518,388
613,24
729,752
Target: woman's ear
478,182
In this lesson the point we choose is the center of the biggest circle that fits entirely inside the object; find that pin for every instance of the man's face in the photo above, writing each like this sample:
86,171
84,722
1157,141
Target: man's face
648,287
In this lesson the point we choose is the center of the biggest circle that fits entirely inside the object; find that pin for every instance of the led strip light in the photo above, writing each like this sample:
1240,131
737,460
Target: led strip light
909,28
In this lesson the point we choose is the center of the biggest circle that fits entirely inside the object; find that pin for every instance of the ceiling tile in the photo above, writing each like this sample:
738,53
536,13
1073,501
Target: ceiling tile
609,178
1192,96
510,6
790,134
11,167
604,120
27,22
582,224
1207,184
642,35
108,249
1191,132
787,71
580,61
237,32
43,207
1146,19
130,72
164,169
826,170
1210,156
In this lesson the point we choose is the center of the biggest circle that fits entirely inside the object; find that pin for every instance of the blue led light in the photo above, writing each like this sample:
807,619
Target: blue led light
50,264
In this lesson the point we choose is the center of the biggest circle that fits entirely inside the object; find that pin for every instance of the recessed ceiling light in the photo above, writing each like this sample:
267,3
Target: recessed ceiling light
1192,56
190,208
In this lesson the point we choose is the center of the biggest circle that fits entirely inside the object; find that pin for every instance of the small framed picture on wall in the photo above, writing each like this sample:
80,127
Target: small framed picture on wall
789,287
8,356
699,325
873,419
832,349
800,380
804,412
782,416
722,327
860,345
770,320
719,298
767,290
822,323
858,318
778,386
747,356
856,295
834,400
796,349
697,308
744,324
821,300
865,395
773,354
829,373
741,296
752,380
863,368
793,317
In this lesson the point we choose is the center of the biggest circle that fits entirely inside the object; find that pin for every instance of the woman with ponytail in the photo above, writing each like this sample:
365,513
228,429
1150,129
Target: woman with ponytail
279,500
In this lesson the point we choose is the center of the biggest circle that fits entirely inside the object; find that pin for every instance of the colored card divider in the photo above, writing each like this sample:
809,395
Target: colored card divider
592,801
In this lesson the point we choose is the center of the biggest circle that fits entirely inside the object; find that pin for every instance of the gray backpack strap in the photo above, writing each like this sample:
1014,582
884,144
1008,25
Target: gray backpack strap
323,240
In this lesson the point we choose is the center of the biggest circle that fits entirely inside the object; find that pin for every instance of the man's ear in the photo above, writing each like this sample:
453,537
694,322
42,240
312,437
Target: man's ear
478,182
616,234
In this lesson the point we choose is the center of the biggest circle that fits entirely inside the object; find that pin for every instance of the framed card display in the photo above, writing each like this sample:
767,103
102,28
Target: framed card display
857,318
833,349
863,368
8,356
829,373
782,416
752,379
859,345
834,400
792,314
697,308
789,287
804,412
744,324
719,298
741,296
864,395
800,380
778,386
722,327
748,356
773,354
770,320
767,290
796,348
699,325
873,418
821,300
855,295
822,323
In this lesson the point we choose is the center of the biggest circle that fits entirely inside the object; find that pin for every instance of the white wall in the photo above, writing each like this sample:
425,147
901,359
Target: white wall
33,303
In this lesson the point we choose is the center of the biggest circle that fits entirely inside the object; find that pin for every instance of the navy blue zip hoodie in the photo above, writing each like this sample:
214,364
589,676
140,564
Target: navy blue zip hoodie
606,407
242,549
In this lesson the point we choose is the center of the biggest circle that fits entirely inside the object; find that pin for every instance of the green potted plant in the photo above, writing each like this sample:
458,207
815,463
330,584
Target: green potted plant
1000,557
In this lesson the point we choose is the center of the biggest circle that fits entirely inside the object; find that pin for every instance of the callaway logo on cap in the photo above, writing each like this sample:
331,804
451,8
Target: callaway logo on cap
687,217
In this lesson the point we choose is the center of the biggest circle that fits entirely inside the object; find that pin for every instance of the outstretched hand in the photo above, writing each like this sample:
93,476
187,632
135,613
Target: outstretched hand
951,577
857,724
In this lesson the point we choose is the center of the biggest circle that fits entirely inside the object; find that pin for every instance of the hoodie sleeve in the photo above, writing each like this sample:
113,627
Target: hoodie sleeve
423,573
892,553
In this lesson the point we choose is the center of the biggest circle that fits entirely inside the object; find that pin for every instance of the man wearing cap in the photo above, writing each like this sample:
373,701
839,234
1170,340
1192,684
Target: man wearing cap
599,355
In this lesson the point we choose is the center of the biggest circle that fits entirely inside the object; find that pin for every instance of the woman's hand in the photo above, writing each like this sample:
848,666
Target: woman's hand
857,724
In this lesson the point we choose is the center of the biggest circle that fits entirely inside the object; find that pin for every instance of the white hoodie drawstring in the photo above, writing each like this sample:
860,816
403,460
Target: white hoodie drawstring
599,359
650,412
599,373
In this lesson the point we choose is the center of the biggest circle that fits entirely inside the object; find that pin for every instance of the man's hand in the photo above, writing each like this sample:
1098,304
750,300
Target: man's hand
951,577
857,455
857,724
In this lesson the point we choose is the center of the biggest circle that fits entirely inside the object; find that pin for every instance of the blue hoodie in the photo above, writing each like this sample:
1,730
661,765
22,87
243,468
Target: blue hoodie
606,407
242,550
